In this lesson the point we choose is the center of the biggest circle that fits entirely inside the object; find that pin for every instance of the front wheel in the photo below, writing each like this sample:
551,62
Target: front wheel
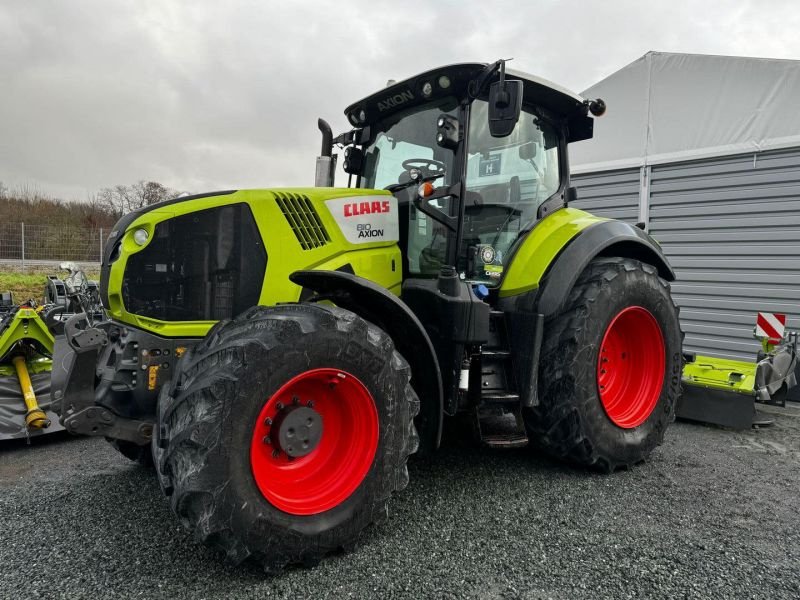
611,368
285,432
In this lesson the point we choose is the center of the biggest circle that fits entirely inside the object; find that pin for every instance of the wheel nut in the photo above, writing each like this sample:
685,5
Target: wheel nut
295,400
276,453
280,405
310,404
266,440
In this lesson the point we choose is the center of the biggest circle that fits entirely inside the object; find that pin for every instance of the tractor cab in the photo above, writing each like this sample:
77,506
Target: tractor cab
475,156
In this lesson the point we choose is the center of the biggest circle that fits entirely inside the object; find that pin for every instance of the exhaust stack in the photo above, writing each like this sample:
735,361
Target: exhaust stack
326,161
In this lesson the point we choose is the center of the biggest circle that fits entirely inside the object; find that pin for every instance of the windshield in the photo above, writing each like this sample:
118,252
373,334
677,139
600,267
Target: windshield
406,136
507,180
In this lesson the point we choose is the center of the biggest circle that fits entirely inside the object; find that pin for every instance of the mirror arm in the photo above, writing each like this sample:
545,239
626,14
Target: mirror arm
422,204
477,85
346,138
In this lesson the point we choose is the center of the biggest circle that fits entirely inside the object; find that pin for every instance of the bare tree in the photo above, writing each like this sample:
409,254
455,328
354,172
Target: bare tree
122,199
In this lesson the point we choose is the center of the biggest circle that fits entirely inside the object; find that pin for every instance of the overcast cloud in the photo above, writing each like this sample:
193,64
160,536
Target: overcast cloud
202,96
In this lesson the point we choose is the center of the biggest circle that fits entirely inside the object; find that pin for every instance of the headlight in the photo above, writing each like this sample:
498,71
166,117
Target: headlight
140,236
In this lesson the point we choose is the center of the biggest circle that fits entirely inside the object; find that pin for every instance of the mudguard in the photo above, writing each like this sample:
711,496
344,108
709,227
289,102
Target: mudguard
380,307
605,238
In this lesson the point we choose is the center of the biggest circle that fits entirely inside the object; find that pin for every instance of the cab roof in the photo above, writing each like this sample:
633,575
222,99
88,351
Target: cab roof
408,93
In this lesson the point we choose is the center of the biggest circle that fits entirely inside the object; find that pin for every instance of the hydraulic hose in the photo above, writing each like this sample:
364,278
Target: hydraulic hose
35,418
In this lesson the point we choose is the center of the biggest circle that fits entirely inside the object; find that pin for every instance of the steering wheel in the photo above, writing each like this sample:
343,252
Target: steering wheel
428,168
418,170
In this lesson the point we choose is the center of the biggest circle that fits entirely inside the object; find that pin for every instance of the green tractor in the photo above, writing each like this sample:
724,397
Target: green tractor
280,353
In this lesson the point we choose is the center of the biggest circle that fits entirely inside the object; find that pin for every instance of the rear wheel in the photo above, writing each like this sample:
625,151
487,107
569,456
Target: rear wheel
285,432
610,370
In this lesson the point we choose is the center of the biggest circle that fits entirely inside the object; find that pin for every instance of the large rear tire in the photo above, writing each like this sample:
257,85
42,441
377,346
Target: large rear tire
611,368
284,433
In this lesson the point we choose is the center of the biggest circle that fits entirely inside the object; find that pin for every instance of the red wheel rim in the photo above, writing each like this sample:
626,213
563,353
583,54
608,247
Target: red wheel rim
630,367
337,463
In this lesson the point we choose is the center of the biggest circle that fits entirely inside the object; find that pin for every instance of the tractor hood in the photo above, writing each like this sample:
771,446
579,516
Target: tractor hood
176,267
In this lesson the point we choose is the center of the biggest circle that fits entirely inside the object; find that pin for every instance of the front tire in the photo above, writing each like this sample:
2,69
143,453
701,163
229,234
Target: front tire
285,432
611,367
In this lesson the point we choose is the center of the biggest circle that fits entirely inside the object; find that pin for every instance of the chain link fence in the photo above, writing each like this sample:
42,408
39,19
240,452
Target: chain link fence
26,246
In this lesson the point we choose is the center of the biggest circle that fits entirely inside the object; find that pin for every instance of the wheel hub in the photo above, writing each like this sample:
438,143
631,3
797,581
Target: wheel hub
630,367
314,441
299,430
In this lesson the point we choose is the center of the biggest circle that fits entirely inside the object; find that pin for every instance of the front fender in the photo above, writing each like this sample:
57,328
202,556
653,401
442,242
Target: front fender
380,307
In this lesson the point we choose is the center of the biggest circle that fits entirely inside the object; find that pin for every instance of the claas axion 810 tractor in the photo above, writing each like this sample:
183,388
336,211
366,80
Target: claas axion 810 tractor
282,352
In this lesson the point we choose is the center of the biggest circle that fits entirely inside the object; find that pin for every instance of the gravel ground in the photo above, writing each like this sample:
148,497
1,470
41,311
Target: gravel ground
713,514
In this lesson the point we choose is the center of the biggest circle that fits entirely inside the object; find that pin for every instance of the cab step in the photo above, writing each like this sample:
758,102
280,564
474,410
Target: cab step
499,397
495,353
501,430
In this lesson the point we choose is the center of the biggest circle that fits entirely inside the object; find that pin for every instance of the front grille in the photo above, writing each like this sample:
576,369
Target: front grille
303,219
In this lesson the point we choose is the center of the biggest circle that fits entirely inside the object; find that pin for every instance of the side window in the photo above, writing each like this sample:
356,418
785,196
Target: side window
507,180
529,155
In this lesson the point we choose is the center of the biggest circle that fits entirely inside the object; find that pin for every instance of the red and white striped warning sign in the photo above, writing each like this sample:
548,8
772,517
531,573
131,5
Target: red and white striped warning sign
771,326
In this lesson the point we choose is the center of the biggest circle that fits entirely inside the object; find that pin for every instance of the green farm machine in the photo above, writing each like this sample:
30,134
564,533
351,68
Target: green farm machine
26,346
26,351
279,353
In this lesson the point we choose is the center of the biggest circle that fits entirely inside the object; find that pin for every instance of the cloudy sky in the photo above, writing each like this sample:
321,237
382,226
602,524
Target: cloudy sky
209,95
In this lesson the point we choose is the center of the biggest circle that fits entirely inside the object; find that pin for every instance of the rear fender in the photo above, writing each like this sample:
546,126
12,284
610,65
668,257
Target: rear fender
380,307
606,238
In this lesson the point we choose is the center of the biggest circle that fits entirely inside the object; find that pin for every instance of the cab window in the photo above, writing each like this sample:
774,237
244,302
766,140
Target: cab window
507,180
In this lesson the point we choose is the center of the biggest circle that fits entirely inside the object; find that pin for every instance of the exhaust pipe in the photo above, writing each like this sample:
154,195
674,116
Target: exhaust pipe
326,161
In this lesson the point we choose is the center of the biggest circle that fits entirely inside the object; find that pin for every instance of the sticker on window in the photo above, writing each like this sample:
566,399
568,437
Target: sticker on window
489,166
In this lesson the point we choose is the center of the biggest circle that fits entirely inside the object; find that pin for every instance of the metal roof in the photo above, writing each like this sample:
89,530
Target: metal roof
667,107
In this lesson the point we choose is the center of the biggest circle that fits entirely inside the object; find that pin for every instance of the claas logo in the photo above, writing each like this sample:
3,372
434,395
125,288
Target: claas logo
354,209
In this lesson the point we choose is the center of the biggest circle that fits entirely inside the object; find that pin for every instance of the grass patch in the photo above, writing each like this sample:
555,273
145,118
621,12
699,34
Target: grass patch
25,286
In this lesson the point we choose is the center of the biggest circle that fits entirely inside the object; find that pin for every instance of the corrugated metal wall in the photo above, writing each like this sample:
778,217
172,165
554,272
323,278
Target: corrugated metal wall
731,229
609,194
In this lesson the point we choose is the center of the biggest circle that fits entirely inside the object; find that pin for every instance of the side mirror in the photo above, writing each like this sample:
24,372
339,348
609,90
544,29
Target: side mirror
505,104
353,160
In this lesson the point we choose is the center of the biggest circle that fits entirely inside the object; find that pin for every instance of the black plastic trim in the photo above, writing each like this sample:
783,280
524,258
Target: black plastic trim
387,311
